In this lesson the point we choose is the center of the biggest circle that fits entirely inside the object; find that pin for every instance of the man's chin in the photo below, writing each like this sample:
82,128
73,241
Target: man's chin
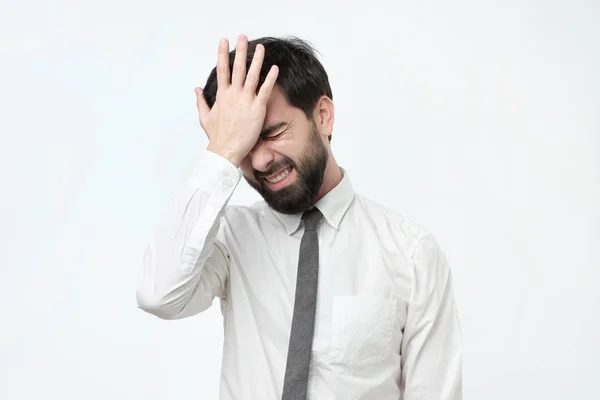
282,196
284,200
290,199
287,209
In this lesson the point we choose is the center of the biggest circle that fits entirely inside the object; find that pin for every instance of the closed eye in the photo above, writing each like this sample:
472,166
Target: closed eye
274,136
275,131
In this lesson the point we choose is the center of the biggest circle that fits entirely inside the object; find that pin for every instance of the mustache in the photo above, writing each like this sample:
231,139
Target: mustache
274,168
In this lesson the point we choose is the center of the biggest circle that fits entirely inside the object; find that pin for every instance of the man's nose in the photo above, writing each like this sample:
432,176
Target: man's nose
261,157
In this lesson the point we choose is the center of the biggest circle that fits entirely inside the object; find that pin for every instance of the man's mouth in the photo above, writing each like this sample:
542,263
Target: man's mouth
279,176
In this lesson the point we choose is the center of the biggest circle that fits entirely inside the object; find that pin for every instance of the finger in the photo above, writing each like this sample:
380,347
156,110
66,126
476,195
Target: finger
223,73
239,64
203,108
254,71
267,87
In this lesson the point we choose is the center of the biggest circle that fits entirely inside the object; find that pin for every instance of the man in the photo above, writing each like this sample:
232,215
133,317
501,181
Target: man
325,294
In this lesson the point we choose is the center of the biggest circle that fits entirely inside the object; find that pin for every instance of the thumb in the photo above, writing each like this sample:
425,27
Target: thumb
203,108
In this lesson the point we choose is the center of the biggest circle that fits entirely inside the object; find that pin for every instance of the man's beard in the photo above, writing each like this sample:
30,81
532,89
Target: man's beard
299,195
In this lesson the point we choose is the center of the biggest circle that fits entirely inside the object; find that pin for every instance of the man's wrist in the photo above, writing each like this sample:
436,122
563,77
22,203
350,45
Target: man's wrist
231,156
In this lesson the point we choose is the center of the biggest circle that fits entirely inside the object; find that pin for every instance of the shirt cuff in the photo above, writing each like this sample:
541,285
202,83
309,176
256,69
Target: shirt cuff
215,175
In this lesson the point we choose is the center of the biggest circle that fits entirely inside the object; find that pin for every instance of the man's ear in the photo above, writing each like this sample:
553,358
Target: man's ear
324,115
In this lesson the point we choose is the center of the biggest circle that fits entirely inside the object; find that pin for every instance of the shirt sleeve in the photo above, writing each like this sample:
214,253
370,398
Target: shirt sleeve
431,347
186,264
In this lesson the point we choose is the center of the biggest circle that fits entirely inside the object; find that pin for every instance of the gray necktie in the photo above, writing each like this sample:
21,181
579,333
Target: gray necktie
303,321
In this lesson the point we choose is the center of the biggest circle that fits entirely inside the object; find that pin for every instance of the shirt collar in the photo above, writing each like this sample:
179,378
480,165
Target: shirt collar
333,206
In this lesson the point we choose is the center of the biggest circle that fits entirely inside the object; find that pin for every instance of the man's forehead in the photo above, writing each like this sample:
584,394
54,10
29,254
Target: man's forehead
277,98
274,117
278,108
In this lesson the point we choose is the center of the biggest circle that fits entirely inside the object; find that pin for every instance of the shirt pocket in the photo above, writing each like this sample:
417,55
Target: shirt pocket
361,330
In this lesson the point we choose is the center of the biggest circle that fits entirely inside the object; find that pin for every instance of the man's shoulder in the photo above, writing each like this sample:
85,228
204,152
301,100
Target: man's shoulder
401,225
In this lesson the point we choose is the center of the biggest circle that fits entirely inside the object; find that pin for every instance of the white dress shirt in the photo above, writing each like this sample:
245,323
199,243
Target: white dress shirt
386,323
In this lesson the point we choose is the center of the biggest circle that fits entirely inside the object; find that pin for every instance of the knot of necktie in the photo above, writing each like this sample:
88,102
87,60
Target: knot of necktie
311,219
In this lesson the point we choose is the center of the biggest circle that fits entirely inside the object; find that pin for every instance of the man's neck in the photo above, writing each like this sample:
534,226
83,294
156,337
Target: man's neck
333,176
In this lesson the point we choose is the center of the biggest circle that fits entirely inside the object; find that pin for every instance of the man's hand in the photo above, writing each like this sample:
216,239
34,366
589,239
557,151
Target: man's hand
234,123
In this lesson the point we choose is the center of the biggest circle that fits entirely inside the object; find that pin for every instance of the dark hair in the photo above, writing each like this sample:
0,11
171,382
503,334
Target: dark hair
301,75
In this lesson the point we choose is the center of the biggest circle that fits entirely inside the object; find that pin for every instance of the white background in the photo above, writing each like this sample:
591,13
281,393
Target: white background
478,119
